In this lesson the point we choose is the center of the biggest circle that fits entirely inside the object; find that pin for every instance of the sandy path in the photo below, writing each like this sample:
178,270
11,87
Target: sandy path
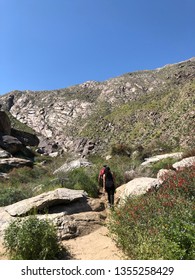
97,245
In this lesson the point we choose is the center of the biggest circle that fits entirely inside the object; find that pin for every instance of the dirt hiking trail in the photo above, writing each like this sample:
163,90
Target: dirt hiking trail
96,245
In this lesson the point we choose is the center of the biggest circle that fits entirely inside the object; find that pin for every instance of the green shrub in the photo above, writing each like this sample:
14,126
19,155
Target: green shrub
79,179
11,195
159,224
162,164
189,153
32,239
26,175
121,149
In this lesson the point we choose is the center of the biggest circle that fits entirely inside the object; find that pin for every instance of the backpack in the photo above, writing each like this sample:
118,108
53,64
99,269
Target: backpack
102,172
101,177
109,181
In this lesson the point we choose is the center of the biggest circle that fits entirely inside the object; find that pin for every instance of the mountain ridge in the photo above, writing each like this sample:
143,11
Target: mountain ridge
147,107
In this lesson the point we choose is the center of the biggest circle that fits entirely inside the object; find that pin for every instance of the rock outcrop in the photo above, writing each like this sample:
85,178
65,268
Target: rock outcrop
186,162
85,118
71,211
72,165
7,164
148,161
4,154
44,201
15,145
5,124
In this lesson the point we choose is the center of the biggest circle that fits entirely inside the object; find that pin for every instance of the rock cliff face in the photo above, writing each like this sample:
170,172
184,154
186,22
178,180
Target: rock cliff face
14,146
140,108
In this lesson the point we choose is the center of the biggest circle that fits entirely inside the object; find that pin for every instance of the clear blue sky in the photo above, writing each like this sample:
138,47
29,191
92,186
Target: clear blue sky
51,44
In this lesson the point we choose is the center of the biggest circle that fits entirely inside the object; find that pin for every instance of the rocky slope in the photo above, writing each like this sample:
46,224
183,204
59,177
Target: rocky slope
15,145
150,108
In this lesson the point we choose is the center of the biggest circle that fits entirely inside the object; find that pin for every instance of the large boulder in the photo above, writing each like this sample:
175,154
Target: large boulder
71,211
44,201
10,144
4,154
26,138
5,219
12,162
5,124
71,226
138,186
129,175
47,146
186,162
13,141
15,147
148,161
72,165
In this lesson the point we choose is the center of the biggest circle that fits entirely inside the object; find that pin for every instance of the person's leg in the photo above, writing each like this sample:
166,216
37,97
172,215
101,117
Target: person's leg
112,197
109,197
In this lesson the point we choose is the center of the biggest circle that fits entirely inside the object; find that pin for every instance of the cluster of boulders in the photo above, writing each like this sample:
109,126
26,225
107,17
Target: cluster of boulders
137,185
15,146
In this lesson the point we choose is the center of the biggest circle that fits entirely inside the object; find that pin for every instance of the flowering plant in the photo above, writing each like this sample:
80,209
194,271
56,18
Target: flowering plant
161,223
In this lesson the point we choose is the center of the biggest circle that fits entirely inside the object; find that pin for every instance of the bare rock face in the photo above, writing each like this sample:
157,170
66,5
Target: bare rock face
129,175
71,226
5,219
14,144
5,124
55,118
84,118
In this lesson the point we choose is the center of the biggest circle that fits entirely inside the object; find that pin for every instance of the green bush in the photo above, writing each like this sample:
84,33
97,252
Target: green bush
11,195
32,239
121,149
26,182
162,164
79,179
26,175
159,224
189,153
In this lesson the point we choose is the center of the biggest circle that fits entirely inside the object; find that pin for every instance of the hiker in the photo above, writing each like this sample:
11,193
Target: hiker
109,185
100,176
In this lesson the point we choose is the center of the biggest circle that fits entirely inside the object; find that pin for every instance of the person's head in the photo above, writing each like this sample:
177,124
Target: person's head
104,165
107,170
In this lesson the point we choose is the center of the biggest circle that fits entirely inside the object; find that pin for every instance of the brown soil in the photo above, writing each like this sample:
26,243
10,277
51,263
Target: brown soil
97,245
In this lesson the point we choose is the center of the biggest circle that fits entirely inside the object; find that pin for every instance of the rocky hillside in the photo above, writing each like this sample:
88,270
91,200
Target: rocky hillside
153,108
